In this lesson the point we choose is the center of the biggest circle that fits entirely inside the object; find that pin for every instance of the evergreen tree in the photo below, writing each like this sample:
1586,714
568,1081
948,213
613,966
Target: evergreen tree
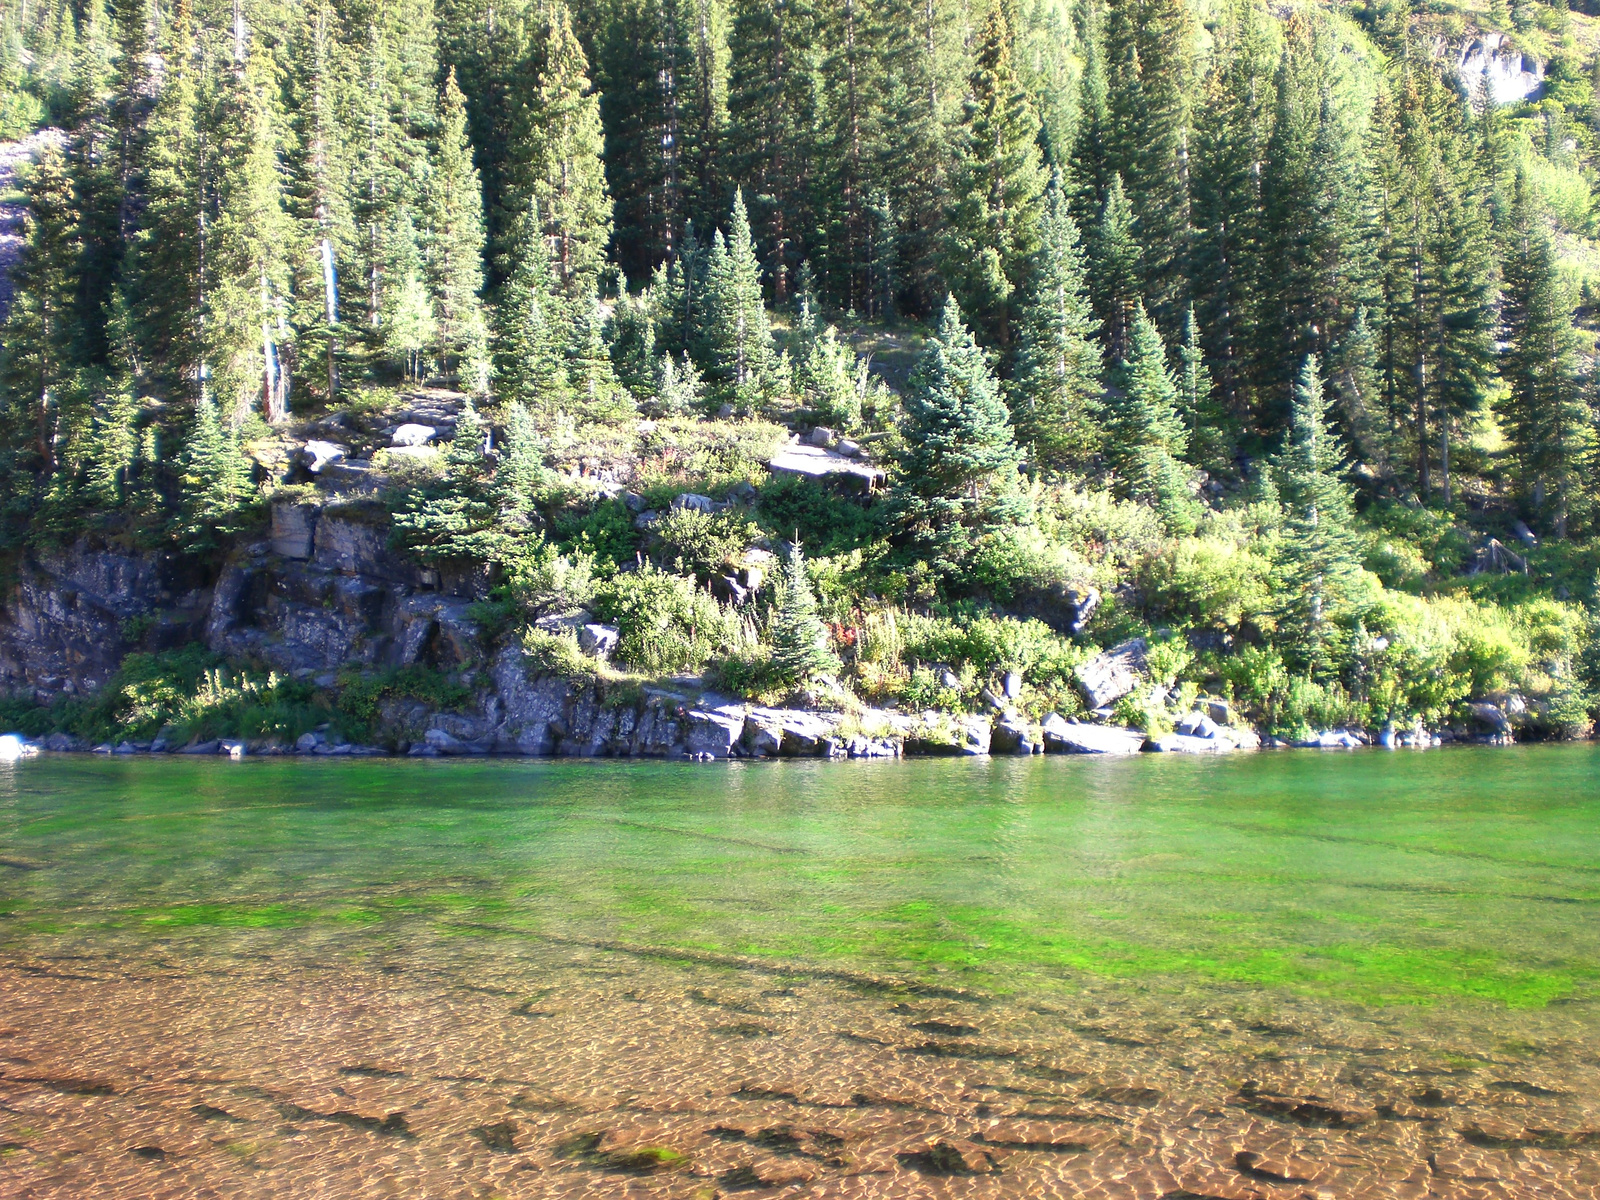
455,251
215,477
37,366
957,477
828,378
245,312
169,245
994,223
1319,552
114,436
323,202
1194,396
913,159
519,472
1114,269
1055,393
530,327
1227,263
452,519
556,170
772,122
1359,387
739,341
1309,192
679,388
1543,413
1150,61
800,651
1146,440
406,318
661,69
114,445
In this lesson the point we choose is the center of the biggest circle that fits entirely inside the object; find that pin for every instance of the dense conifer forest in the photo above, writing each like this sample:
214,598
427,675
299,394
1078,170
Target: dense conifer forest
1260,331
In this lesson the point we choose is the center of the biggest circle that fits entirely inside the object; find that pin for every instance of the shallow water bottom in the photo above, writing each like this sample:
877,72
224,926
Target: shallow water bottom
1278,976
508,1065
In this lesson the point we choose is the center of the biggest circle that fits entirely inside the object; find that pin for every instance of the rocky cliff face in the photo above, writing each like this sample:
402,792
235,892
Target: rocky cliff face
74,613
1489,64
325,592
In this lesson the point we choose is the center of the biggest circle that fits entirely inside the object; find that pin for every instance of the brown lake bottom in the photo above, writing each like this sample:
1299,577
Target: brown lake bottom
217,1016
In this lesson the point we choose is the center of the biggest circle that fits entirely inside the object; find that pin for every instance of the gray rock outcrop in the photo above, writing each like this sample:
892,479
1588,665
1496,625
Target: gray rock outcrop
1114,673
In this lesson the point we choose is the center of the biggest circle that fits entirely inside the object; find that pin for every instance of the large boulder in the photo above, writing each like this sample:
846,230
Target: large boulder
770,732
1114,673
1060,737
413,435
1011,735
713,732
292,526
318,454
1183,743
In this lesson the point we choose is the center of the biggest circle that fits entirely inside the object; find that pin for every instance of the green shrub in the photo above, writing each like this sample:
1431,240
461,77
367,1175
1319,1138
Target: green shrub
604,532
195,695
822,518
361,697
701,544
557,654
665,621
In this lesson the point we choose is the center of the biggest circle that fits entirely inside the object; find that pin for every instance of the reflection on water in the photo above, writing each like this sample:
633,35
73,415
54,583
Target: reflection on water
1283,975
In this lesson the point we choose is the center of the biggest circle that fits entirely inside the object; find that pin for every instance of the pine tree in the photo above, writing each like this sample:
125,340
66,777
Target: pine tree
114,437
994,223
556,169
1227,263
913,158
1114,269
113,445
37,367
215,476
771,139
957,477
800,650
1146,440
323,202
1309,192
246,308
589,372
453,518
519,472
827,376
531,328
406,318
1056,389
1195,406
1543,413
1319,551
1358,384
661,70
679,388
455,245
1150,59
739,341
168,251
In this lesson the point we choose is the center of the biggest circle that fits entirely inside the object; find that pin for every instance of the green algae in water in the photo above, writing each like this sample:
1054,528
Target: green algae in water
1463,876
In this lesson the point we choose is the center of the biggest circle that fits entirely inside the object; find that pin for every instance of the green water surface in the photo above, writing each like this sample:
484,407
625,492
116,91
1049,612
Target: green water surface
1459,876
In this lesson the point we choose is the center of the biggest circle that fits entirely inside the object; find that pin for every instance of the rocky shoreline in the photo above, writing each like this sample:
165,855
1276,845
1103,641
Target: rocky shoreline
325,597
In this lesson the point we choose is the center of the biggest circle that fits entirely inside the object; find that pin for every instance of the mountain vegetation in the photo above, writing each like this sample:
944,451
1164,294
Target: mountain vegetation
1266,328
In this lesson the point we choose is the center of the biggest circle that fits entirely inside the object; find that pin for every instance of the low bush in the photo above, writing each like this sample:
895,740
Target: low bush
666,622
